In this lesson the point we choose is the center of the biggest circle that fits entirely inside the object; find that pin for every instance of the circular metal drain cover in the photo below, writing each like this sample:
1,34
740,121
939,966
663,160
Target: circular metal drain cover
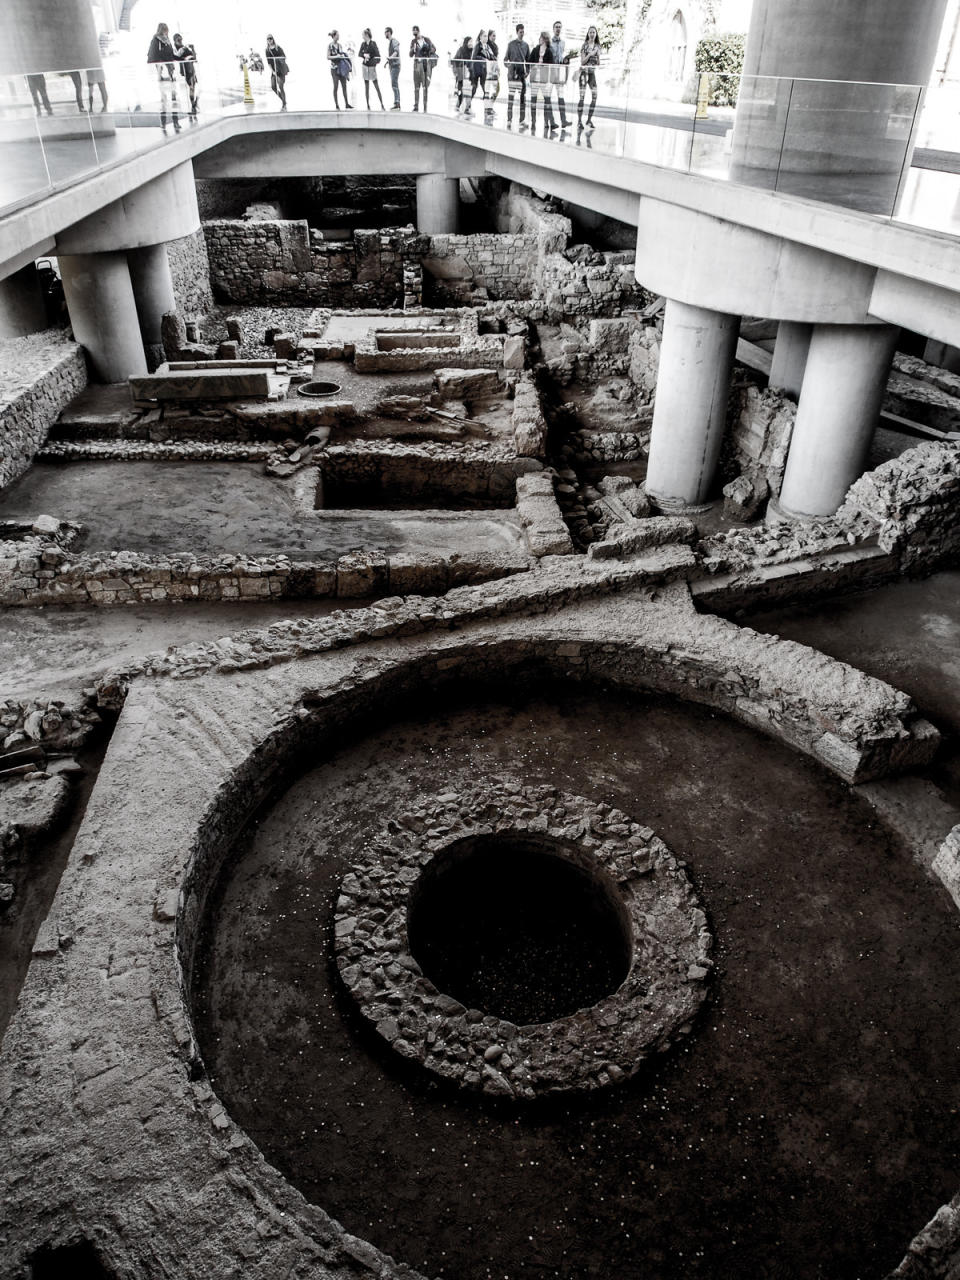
318,389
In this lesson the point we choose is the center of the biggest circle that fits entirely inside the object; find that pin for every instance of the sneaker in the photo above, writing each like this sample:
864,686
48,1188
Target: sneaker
524,126
395,107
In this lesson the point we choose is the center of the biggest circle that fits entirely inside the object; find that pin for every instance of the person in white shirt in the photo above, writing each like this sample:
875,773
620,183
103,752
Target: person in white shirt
561,70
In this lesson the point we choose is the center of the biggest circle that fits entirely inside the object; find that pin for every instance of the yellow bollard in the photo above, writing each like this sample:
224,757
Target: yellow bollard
703,98
247,91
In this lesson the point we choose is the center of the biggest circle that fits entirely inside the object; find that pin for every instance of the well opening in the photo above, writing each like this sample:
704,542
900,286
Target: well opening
507,924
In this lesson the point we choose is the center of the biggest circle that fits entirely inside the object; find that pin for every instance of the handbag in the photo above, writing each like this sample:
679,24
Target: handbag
343,68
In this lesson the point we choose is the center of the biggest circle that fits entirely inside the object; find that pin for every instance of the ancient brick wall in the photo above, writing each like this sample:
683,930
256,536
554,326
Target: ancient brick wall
258,262
190,270
39,376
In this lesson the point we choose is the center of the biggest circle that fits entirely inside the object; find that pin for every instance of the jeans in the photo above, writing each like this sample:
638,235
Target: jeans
395,81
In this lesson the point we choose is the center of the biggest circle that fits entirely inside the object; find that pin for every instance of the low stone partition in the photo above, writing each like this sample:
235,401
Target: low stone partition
41,574
529,423
474,350
388,472
39,376
540,516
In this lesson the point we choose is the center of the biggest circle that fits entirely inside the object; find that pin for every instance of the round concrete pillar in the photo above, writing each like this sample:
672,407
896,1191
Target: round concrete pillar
689,412
805,124
438,204
790,357
103,313
153,294
47,35
844,382
21,304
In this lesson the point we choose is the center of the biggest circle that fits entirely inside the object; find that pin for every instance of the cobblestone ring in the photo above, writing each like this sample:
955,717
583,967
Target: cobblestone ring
665,930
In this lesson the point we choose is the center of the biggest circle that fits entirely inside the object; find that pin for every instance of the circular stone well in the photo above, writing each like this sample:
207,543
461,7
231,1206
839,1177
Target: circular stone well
522,941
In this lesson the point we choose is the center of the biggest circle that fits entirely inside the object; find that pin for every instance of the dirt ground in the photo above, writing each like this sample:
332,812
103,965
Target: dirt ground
220,507
808,1128
47,651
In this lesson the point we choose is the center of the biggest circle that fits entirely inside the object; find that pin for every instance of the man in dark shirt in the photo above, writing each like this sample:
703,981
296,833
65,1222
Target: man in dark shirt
518,55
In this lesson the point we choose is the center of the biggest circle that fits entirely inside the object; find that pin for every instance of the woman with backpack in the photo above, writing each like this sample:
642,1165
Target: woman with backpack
460,65
370,58
340,68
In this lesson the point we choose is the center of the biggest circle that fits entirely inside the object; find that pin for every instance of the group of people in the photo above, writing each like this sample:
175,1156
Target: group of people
476,66
174,61
536,72
546,67
343,63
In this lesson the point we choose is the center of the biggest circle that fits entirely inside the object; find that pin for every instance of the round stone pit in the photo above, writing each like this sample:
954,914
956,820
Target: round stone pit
477,910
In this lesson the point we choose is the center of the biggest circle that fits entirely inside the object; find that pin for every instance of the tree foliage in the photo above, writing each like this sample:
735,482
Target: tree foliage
723,55
608,18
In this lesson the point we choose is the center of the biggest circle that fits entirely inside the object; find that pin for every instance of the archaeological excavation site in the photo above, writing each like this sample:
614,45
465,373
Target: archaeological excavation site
479,752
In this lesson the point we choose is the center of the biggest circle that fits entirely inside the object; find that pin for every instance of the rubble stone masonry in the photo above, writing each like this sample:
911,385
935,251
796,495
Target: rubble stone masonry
39,376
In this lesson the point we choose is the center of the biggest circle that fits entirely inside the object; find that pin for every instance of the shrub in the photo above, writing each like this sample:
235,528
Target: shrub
723,55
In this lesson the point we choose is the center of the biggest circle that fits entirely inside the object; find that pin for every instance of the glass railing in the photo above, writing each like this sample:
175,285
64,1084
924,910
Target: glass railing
58,127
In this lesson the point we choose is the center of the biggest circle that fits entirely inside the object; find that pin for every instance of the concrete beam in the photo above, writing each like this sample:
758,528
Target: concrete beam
709,262
608,184
161,210
916,305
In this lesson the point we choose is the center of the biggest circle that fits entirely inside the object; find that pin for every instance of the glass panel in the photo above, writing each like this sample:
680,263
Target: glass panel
24,172
870,129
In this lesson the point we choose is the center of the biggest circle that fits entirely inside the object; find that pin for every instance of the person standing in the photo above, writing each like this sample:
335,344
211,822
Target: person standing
541,64
161,55
518,55
37,84
460,65
370,58
561,71
424,54
393,62
276,60
478,69
339,69
589,61
187,57
493,67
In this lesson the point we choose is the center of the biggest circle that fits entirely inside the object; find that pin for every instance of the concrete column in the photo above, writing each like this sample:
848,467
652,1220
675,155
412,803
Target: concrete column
21,304
790,357
843,386
805,124
47,35
689,413
438,204
153,294
103,313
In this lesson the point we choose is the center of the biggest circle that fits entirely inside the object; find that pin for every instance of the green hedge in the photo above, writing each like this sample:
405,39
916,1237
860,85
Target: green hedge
722,54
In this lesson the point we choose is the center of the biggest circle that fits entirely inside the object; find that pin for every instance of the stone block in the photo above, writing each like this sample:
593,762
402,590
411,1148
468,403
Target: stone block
361,573
285,346
514,351
228,351
467,384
